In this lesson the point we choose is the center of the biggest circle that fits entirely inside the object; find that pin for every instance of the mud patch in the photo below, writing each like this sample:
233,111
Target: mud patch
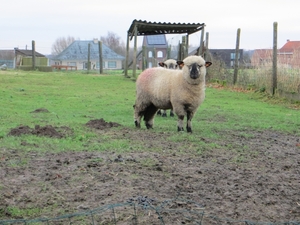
101,124
40,110
48,131
250,175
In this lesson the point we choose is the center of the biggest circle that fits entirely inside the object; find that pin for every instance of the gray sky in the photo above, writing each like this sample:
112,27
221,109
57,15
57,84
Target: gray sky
44,21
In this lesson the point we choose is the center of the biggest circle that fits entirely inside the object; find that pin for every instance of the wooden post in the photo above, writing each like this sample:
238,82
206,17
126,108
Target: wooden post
183,42
100,57
127,57
144,62
186,45
134,53
89,58
205,51
274,75
33,55
201,42
154,58
236,61
179,52
169,52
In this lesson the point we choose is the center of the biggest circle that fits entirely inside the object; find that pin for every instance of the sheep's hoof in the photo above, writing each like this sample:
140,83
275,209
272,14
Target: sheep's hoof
164,115
149,126
180,129
158,112
137,124
171,114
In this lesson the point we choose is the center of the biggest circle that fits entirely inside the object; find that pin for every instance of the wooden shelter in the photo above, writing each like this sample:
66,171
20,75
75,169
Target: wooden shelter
141,28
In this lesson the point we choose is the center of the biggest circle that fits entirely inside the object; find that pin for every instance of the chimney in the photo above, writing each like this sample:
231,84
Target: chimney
287,40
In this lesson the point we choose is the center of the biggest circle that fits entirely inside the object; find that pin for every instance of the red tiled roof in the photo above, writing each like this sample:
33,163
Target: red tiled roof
290,46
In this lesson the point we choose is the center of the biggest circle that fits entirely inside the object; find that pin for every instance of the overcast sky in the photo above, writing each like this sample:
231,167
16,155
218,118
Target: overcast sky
46,20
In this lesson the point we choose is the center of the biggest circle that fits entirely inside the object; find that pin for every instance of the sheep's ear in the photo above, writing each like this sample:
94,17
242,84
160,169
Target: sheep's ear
180,64
161,64
208,64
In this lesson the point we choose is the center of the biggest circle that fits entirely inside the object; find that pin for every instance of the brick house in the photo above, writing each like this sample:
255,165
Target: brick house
156,50
288,55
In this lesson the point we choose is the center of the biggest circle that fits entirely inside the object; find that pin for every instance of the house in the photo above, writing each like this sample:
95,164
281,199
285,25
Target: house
21,57
262,57
227,56
76,54
156,47
289,54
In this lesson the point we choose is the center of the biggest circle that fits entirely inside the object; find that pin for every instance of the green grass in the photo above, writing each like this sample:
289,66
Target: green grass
74,98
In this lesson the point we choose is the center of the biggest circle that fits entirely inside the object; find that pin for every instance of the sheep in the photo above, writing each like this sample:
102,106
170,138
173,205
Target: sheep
168,64
182,90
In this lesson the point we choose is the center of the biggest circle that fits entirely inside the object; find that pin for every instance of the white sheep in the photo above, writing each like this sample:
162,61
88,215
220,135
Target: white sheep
181,90
168,64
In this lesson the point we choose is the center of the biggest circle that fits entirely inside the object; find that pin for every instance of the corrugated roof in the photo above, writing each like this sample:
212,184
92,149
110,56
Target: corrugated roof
153,28
78,50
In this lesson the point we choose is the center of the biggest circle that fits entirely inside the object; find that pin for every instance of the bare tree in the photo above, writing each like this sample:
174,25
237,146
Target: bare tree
60,44
114,42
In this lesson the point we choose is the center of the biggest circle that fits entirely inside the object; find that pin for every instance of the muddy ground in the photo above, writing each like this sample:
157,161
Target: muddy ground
231,184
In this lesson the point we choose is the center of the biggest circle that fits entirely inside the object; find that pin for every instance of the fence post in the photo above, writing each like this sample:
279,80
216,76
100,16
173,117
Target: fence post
89,58
274,73
236,61
100,57
33,55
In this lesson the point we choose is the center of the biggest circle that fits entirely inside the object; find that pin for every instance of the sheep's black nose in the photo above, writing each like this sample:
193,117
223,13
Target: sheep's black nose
194,72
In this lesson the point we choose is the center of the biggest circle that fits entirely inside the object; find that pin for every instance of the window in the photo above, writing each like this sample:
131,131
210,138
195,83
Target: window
232,56
112,64
71,63
150,65
159,54
150,55
98,64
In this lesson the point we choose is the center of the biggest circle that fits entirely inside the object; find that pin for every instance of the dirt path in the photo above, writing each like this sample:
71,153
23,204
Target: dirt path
257,183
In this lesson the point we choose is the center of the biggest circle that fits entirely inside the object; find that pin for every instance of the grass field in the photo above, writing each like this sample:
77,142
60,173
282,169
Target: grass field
73,99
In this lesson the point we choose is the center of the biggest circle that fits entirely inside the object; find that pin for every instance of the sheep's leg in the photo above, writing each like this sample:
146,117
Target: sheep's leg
159,112
139,112
164,113
149,116
137,119
180,123
171,113
189,121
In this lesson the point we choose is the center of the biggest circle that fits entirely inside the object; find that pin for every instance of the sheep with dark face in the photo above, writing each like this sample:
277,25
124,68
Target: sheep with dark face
181,90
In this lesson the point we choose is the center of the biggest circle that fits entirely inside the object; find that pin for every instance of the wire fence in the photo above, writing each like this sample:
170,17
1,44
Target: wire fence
143,210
